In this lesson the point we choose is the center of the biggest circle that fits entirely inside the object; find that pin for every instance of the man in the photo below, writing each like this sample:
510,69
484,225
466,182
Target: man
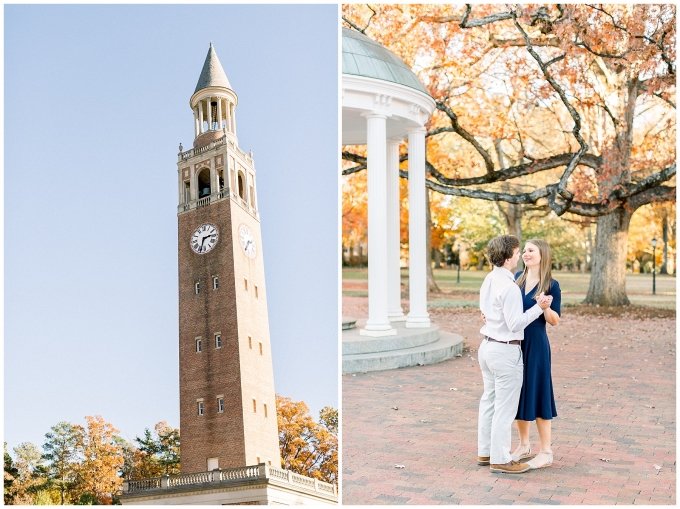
500,354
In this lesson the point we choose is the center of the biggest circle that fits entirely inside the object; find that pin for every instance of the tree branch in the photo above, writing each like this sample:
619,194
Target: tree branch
509,173
653,195
556,59
355,27
465,22
657,94
576,131
467,137
583,45
504,43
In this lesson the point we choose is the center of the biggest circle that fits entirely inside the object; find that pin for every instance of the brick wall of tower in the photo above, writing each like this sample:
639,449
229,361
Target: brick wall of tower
214,371
257,377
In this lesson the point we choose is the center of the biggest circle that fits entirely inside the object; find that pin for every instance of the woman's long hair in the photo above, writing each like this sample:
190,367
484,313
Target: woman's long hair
544,268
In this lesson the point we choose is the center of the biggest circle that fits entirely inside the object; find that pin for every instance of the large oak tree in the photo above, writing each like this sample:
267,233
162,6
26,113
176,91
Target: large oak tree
569,107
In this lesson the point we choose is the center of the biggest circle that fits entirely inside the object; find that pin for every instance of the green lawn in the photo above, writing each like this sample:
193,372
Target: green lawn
574,287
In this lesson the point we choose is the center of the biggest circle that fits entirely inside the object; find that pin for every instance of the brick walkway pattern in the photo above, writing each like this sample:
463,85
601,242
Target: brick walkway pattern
613,439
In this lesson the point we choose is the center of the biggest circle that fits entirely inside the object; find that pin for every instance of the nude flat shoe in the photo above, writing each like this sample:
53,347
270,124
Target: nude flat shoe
517,457
547,464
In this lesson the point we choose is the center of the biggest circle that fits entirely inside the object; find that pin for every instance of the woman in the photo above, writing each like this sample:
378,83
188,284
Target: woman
537,401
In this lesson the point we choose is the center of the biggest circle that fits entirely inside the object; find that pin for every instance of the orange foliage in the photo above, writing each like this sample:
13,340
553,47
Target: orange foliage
307,447
102,458
498,92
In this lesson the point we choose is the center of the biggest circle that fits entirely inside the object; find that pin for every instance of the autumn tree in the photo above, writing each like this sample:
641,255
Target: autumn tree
308,448
354,212
102,459
580,99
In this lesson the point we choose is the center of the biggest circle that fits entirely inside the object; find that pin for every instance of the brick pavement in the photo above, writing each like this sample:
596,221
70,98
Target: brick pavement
614,382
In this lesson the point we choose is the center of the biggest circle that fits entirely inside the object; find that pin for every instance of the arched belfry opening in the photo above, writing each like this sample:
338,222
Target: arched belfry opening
214,122
203,181
241,186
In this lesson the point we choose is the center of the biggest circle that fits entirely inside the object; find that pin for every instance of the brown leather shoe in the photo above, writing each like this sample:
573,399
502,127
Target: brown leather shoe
512,467
483,460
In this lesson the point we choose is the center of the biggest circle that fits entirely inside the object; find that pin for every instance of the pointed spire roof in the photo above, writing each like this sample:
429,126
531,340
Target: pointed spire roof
212,74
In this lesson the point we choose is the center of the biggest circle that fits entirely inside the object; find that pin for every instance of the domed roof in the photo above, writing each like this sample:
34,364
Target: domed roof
212,74
362,56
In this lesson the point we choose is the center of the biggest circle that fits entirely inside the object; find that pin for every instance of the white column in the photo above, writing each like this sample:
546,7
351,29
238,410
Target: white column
378,323
209,113
196,131
193,192
219,113
394,311
214,178
200,117
228,115
233,119
417,229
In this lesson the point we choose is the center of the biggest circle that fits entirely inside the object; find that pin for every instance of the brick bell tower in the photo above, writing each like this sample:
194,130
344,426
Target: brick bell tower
227,401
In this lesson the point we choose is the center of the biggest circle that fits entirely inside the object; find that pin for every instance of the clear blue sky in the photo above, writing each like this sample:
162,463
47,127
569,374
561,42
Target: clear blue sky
96,104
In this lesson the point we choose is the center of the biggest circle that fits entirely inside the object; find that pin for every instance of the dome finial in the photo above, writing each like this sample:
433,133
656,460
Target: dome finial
211,44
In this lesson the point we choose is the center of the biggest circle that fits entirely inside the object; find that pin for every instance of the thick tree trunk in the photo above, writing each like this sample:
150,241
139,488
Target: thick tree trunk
589,250
511,212
437,258
664,264
431,284
608,275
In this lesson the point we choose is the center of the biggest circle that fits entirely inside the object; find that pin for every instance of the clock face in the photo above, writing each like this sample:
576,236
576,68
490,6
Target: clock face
247,240
204,238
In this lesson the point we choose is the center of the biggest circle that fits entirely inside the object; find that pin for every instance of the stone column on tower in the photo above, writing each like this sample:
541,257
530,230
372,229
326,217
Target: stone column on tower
219,113
394,310
378,323
417,230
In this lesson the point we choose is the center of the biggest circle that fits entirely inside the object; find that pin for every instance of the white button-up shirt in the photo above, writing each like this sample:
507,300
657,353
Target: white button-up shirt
500,299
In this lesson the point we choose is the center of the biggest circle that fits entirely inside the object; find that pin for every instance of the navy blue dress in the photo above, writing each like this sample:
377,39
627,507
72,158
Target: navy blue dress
537,398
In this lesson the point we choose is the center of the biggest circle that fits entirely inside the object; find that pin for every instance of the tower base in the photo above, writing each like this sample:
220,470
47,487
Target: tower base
253,485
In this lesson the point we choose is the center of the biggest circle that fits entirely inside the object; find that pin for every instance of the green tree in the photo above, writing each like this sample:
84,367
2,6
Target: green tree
328,418
61,454
11,474
30,478
160,451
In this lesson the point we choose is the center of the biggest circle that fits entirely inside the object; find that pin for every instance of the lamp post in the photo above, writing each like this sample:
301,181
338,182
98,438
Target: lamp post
654,266
458,276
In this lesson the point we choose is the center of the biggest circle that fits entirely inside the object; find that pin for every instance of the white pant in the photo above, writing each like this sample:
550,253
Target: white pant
502,369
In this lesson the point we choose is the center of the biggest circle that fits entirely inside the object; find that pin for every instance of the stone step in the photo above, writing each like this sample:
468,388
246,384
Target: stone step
447,346
354,343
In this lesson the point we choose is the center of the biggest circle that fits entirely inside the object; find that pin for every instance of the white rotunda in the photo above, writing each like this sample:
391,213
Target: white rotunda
383,103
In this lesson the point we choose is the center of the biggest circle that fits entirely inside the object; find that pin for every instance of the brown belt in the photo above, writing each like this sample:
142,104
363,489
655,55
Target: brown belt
513,342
